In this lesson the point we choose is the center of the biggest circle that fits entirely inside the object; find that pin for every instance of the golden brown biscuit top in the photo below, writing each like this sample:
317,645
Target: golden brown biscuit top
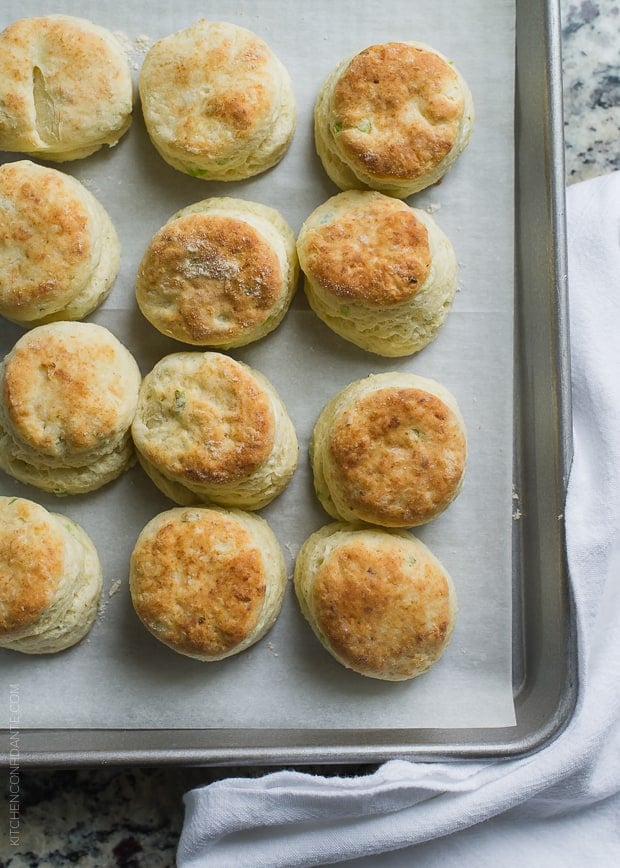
207,276
397,109
204,418
398,455
228,72
376,252
383,607
69,388
58,71
46,232
31,562
198,582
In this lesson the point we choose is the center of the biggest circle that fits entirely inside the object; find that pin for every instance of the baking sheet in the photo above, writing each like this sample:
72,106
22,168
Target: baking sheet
120,677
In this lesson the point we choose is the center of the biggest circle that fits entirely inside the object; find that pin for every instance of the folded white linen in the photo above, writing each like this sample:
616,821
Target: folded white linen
558,806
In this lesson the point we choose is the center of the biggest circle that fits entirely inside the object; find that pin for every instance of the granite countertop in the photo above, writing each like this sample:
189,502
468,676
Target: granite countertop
112,817
590,31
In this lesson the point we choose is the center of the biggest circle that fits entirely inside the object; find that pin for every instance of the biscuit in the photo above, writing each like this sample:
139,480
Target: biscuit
209,429
393,117
208,583
50,579
59,252
390,450
220,273
378,600
65,88
380,274
217,103
69,394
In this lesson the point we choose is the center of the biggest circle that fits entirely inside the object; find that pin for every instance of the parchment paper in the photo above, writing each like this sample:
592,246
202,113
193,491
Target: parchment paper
121,677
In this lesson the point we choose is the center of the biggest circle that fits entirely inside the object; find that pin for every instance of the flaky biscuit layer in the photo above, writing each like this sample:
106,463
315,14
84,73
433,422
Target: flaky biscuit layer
50,579
69,392
215,427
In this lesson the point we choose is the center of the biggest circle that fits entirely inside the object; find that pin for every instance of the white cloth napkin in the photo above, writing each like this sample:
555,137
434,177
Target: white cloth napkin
559,806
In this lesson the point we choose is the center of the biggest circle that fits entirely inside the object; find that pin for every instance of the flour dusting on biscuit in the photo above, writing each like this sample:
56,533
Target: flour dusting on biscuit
220,273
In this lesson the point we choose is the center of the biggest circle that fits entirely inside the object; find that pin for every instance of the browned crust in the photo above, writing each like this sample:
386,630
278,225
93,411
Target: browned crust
238,100
31,564
379,615
199,583
378,254
52,391
207,276
398,456
220,458
221,424
411,98
47,236
61,71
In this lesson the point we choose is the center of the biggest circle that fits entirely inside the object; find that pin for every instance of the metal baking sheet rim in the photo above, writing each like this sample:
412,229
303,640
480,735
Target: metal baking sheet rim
545,655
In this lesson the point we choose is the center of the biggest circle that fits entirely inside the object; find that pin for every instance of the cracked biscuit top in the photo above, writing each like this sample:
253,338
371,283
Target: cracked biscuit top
65,88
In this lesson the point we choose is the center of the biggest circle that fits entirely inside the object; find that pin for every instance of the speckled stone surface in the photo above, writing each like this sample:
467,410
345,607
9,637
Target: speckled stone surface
109,817
591,65
105,817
